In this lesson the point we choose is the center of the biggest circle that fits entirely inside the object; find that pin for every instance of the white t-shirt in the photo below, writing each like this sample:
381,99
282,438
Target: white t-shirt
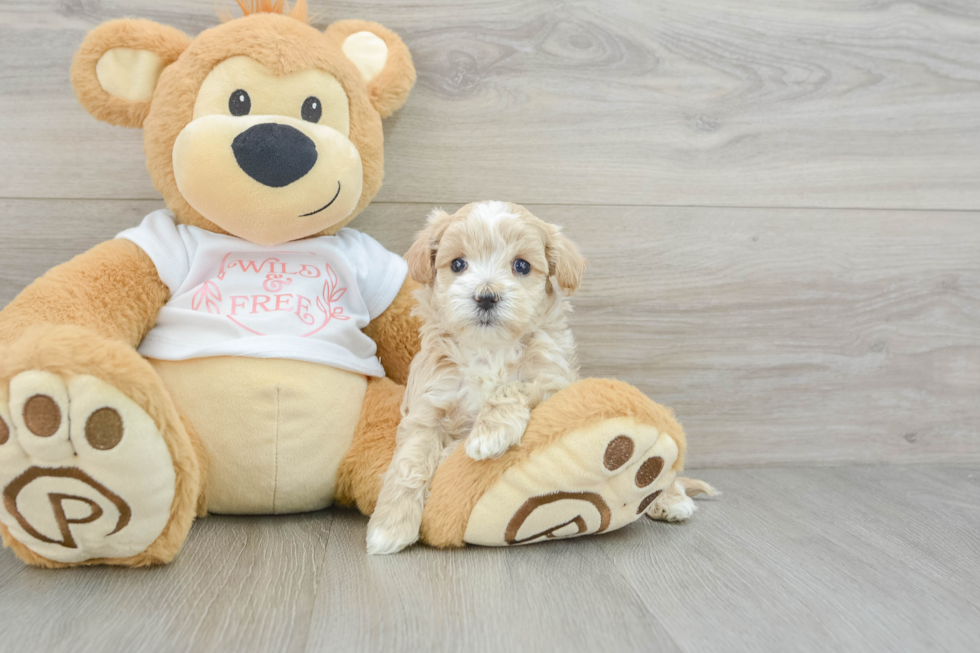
306,300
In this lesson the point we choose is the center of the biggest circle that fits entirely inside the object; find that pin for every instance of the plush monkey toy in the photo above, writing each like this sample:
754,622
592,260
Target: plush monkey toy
242,351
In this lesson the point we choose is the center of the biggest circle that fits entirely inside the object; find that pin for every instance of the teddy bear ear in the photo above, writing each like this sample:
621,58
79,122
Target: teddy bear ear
381,57
116,69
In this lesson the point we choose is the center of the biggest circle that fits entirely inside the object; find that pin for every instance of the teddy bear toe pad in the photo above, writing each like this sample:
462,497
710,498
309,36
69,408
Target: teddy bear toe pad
84,471
594,480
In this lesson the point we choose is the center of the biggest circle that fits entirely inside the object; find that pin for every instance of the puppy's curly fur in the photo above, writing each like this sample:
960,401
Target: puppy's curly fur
495,344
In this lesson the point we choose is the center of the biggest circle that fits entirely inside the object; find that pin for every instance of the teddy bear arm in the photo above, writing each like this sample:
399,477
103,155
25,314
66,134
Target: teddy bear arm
396,332
113,289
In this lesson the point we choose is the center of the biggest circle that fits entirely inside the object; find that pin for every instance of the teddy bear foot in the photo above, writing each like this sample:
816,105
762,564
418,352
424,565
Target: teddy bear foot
90,474
595,457
84,471
609,474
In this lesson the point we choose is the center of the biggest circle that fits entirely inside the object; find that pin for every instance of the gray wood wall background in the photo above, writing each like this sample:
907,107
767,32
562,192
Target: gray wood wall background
780,201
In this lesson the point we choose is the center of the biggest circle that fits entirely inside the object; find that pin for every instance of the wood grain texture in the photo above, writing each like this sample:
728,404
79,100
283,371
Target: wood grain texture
562,598
788,559
238,584
778,336
830,103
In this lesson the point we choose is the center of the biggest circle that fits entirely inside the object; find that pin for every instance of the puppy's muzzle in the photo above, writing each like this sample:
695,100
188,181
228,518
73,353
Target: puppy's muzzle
274,155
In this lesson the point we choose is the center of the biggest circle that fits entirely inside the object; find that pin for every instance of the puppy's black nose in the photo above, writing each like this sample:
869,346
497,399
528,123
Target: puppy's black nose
486,301
273,154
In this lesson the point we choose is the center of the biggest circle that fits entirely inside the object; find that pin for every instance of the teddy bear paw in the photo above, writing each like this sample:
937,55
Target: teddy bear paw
593,480
84,471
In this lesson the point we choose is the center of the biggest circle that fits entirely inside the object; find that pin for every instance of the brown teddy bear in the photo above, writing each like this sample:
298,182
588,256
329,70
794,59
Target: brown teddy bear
243,351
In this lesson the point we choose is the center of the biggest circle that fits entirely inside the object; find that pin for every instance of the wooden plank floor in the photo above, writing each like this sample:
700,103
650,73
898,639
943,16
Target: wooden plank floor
835,559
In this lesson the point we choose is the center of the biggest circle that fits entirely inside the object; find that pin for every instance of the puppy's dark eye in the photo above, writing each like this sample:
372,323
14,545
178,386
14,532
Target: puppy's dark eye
312,109
239,104
522,267
458,265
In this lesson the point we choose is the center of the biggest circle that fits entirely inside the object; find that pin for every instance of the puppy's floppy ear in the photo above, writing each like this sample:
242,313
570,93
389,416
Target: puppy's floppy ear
421,255
382,58
565,263
116,69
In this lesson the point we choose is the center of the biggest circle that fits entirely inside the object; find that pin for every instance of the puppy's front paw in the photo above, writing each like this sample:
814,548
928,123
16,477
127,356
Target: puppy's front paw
492,439
484,447
384,537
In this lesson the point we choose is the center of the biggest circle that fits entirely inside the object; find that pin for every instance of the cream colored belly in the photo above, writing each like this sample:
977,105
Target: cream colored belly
276,430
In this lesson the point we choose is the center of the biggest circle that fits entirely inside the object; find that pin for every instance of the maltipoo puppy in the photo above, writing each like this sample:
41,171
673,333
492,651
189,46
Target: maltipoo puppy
495,344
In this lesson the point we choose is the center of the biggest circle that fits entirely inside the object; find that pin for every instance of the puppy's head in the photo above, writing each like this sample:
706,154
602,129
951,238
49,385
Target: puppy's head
491,265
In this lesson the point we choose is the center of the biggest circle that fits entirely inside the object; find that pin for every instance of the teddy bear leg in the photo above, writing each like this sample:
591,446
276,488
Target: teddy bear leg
594,457
364,465
96,466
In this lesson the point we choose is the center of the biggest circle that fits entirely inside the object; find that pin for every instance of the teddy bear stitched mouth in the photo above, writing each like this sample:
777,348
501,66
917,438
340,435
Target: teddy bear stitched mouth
335,196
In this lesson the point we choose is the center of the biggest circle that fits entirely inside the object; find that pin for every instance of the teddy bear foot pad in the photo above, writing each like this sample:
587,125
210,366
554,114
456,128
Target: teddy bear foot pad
84,471
609,474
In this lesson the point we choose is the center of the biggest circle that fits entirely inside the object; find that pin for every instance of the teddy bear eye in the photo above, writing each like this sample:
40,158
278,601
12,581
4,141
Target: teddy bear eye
312,109
522,267
458,265
239,104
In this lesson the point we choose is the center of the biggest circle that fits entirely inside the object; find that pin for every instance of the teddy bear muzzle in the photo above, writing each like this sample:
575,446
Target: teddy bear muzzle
267,179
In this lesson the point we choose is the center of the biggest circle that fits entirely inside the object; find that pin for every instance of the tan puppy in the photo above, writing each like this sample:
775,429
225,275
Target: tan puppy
495,344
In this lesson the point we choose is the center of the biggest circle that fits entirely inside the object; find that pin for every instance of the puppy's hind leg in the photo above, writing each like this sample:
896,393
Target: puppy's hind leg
693,487
395,523
675,503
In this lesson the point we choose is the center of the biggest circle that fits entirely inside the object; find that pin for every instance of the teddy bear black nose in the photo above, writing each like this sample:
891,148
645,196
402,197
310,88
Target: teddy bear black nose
273,154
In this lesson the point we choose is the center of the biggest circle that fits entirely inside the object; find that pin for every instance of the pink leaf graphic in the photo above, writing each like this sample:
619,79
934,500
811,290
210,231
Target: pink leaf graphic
204,295
331,293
